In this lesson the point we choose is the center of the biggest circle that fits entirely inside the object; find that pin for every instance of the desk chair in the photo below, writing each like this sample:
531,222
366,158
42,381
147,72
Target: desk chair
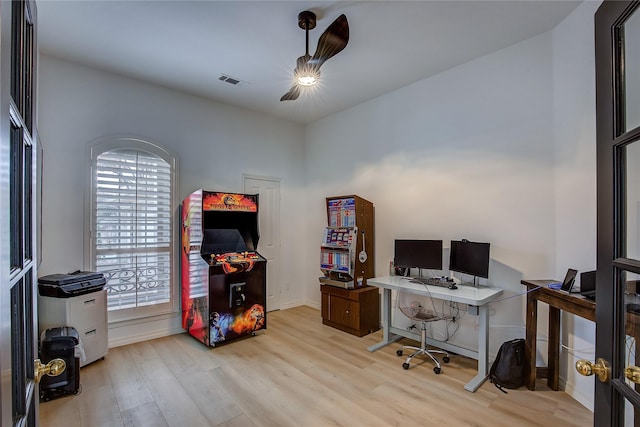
422,310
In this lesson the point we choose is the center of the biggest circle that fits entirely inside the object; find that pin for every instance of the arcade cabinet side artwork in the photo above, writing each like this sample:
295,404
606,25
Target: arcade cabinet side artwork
194,271
229,299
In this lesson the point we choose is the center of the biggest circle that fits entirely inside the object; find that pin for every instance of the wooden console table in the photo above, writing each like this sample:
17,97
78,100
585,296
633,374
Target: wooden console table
539,290
558,301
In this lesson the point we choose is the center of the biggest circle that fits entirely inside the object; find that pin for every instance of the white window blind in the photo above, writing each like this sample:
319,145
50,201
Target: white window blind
133,223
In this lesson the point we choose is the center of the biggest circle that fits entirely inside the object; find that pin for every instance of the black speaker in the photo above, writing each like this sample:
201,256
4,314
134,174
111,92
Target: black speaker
60,343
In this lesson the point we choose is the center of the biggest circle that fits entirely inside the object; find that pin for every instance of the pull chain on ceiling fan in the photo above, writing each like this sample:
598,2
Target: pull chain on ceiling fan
331,42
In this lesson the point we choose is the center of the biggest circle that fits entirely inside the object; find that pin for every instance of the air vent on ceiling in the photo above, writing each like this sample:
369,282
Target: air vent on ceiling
231,80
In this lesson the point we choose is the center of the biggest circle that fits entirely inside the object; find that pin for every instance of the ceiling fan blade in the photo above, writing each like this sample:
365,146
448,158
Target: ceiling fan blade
332,41
292,95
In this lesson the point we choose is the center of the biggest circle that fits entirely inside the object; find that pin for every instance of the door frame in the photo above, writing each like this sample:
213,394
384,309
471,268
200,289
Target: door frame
5,287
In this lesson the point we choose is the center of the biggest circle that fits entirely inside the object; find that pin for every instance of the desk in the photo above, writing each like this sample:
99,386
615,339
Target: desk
539,290
479,297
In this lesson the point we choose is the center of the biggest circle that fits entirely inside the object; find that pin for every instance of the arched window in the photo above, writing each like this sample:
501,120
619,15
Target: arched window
132,226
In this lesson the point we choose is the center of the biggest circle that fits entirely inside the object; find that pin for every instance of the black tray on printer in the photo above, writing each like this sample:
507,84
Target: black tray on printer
71,285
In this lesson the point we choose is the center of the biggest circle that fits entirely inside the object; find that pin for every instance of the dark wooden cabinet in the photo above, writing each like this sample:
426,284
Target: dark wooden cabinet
356,311
347,261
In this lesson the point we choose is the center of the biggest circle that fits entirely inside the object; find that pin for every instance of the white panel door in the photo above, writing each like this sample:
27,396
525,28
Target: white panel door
269,228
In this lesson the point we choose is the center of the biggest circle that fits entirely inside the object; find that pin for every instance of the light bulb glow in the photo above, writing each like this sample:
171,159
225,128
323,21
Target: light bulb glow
309,80
306,74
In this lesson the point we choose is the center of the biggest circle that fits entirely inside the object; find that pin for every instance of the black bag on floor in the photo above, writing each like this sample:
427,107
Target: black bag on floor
507,371
60,342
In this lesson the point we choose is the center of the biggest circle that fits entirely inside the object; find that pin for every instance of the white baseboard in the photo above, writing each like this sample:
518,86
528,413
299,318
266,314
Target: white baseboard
132,339
576,393
312,304
292,304
143,330
131,332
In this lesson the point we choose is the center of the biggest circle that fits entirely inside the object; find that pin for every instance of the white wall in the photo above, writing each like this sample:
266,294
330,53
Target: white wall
465,154
501,149
215,145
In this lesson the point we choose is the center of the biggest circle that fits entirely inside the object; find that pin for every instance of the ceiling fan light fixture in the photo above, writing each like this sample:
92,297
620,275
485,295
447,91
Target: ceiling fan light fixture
306,74
331,42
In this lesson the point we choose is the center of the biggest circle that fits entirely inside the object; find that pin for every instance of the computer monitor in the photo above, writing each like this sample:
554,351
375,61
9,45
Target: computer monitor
588,284
418,254
469,258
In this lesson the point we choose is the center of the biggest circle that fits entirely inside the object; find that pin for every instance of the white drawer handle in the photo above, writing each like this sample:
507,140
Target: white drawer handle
90,301
91,332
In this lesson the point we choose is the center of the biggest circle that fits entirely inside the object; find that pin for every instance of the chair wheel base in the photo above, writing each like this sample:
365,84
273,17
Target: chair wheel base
437,370
405,366
399,352
445,359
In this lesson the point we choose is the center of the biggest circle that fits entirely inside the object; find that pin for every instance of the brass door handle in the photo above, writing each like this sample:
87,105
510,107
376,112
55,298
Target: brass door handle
632,373
54,368
600,368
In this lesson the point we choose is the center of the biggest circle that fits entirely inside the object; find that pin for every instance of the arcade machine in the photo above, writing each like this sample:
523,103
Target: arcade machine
223,277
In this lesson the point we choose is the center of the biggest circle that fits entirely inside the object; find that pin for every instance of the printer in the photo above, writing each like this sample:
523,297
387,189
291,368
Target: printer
71,285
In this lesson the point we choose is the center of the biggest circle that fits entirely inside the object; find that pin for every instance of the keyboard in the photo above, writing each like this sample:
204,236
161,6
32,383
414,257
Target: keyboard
433,281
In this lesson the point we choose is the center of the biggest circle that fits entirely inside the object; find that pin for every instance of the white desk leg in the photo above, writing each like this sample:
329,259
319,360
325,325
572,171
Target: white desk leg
483,350
387,338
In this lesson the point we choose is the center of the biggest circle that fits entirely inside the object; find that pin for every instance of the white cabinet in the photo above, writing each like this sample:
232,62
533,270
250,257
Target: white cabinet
87,313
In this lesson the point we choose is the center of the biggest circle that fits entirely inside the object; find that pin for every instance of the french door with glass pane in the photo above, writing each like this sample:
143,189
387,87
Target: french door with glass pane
18,254
617,38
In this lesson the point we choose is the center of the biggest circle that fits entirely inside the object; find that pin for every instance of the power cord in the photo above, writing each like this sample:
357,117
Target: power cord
573,351
517,295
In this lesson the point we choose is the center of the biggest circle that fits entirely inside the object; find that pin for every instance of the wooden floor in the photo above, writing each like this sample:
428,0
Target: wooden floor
297,373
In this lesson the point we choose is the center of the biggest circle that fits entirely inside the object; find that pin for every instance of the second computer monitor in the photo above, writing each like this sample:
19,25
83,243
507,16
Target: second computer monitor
469,258
418,254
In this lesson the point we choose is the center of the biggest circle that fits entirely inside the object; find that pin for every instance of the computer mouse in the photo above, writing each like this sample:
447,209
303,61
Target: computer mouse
453,286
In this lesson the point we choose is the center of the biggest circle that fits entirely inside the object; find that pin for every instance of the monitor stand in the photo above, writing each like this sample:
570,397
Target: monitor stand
420,273
475,282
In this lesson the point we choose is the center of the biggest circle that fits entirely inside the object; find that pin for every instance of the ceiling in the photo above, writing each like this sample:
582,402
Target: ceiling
188,45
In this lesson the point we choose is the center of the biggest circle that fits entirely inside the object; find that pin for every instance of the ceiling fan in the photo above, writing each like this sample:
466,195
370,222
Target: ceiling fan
331,42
